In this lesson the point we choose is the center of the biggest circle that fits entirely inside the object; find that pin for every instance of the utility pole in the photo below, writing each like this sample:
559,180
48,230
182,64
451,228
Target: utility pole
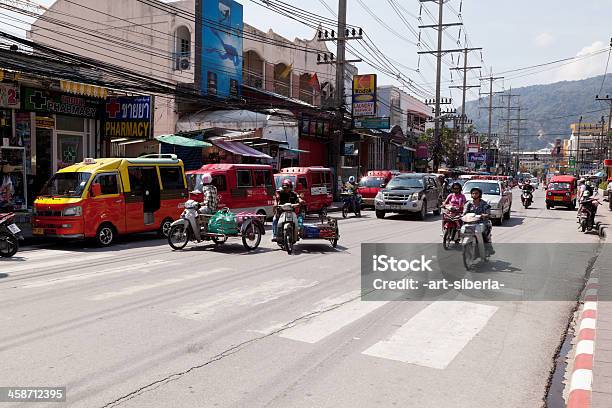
439,52
518,138
506,143
491,79
578,163
607,99
465,87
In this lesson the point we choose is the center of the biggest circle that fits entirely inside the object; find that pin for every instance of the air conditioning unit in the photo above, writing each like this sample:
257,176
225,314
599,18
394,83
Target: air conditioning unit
183,63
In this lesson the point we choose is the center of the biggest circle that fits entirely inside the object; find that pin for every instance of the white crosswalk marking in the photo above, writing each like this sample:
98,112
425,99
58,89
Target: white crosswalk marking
142,267
130,290
61,261
328,316
244,296
435,335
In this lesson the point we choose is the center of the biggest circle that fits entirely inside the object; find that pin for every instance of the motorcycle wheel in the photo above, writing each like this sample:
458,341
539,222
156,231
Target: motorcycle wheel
289,240
219,241
252,238
358,211
334,241
344,211
9,246
469,254
178,237
583,225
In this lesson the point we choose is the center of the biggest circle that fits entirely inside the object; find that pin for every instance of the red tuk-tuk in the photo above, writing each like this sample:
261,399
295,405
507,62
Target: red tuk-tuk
240,187
313,183
562,191
371,183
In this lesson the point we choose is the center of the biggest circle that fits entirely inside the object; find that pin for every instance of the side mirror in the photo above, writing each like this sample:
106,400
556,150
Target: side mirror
383,185
96,190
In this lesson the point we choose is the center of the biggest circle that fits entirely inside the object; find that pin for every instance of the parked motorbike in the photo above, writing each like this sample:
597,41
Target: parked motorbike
193,226
585,214
10,234
527,198
287,228
451,225
351,203
474,251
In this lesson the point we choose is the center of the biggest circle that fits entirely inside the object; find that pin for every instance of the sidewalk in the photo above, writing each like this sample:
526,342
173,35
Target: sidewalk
590,382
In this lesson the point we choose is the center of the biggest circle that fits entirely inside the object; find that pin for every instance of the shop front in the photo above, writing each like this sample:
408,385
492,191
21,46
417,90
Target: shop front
315,136
41,131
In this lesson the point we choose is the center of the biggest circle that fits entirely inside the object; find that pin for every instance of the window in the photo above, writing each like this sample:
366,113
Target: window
136,182
243,178
302,183
108,182
69,123
69,150
260,178
219,182
315,177
172,178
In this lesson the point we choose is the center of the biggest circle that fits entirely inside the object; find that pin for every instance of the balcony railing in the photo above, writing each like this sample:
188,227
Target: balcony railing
282,88
253,79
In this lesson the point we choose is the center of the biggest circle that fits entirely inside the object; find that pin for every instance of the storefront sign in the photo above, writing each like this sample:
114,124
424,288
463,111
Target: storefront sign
473,148
128,116
9,96
45,123
40,100
364,95
349,149
372,123
477,157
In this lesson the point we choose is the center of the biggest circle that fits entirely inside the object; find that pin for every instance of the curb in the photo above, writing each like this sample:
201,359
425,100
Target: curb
581,382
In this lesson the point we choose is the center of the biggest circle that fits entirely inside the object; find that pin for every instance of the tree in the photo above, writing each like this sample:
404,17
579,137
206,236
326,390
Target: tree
451,153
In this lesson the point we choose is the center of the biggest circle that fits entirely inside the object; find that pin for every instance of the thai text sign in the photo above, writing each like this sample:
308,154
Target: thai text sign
9,96
40,100
364,95
128,116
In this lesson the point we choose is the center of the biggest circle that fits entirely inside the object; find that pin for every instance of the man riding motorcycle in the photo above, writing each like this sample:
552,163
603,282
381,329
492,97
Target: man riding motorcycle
480,207
286,195
351,185
527,188
590,203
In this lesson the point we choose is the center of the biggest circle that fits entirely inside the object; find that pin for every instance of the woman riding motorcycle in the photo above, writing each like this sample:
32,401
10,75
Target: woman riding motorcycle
480,207
456,198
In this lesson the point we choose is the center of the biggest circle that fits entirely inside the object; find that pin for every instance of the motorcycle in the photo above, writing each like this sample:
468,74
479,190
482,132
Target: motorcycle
193,226
527,198
451,225
585,214
474,251
10,234
351,203
287,227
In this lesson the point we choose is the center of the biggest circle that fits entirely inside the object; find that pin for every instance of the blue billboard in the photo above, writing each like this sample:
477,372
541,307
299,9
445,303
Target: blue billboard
221,56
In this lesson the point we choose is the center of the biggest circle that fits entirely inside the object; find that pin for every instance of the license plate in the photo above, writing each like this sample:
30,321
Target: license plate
14,229
557,198
38,231
396,207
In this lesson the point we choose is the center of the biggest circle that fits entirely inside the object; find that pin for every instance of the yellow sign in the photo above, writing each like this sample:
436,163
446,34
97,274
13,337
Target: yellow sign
364,95
127,129
45,122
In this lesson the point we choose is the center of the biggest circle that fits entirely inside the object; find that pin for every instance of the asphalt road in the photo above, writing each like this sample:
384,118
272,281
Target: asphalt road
140,325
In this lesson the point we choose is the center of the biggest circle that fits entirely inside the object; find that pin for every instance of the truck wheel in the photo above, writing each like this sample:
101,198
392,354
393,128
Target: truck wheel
437,211
423,212
380,214
105,235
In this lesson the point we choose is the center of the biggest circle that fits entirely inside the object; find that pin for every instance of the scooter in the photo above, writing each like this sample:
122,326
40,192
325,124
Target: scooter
10,234
287,227
527,198
451,225
585,216
351,203
474,251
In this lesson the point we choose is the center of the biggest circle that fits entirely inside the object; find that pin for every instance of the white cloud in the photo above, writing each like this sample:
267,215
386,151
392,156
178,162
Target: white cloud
586,67
544,39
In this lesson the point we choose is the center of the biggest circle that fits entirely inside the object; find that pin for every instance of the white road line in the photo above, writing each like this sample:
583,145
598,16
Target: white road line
63,261
142,267
435,335
320,326
244,296
130,290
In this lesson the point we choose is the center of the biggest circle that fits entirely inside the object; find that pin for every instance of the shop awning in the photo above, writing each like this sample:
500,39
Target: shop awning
83,89
181,141
289,149
240,149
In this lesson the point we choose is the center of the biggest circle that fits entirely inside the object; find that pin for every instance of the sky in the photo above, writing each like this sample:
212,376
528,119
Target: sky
513,34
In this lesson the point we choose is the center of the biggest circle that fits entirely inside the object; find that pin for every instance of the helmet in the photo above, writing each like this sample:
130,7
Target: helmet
351,179
455,184
206,178
581,181
586,194
476,189
287,183
588,183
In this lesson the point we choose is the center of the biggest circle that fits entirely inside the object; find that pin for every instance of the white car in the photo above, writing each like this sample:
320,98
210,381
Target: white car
535,182
496,194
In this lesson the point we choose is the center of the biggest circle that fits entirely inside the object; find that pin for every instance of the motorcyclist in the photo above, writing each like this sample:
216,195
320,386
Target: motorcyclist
285,195
456,198
590,203
210,202
479,206
527,188
581,188
351,185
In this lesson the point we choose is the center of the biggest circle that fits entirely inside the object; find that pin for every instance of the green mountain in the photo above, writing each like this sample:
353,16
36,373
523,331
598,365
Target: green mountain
550,109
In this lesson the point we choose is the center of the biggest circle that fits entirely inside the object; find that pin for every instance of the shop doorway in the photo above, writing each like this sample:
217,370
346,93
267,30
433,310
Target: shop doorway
44,158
